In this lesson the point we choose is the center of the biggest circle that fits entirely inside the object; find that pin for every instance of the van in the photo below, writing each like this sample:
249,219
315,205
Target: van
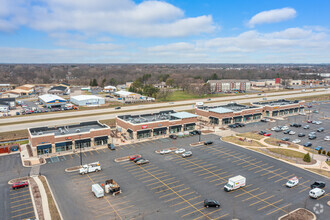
97,190
316,193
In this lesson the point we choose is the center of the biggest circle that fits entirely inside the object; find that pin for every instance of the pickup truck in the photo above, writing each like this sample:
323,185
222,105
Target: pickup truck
91,167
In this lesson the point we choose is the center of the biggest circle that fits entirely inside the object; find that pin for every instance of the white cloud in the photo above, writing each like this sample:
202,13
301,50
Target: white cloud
272,16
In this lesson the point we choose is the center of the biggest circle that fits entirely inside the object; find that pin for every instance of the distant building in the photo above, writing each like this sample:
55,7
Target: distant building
4,108
87,100
128,96
110,89
59,90
296,82
160,85
9,102
229,85
24,90
264,83
281,107
128,84
121,87
52,101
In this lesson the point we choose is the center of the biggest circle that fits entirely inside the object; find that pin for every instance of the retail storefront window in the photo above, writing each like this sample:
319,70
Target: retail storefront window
143,134
226,121
214,120
275,113
188,127
238,119
63,146
175,129
101,140
83,143
159,131
44,149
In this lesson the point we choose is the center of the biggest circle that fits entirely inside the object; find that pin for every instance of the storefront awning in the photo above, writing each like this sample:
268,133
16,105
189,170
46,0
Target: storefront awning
239,116
245,116
83,141
101,138
257,114
160,129
44,147
190,124
62,144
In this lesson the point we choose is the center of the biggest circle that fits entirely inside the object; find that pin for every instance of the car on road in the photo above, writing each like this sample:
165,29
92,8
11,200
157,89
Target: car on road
320,129
180,151
327,138
173,136
318,184
308,144
292,182
187,154
301,135
134,157
142,161
284,128
211,203
165,151
306,127
292,132
312,137
267,134
296,141
316,193
208,142
18,185
285,139
118,108
319,148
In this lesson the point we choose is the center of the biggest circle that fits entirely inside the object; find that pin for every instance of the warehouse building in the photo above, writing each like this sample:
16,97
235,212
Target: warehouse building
87,100
230,113
9,102
281,107
52,101
59,90
49,140
156,124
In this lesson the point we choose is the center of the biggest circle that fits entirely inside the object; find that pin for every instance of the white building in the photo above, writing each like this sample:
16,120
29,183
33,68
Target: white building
89,100
52,101
110,89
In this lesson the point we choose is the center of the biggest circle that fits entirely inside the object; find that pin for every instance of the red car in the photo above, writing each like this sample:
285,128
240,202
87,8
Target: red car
267,134
309,121
134,157
18,185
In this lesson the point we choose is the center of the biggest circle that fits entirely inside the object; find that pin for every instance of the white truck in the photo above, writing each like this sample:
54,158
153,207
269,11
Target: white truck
91,167
97,190
235,183
292,182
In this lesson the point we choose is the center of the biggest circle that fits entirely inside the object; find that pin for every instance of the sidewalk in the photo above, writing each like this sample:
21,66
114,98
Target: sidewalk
44,199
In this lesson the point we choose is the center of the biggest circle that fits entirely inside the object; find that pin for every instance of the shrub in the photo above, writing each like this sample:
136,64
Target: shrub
323,152
320,151
328,153
307,158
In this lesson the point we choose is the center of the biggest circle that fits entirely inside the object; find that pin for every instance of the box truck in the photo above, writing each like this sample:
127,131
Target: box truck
235,183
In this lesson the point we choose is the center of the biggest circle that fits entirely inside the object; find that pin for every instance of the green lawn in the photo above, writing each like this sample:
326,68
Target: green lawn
285,152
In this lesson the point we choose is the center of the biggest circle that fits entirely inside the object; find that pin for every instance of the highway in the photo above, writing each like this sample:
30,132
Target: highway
110,113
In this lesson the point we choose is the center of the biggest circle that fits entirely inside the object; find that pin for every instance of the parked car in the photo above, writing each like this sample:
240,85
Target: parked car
292,182
295,125
301,135
137,159
198,132
316,193
165,151
267,134
285,139
262,132
318,184
192,133
180,151
134,157
173,136
284,128
306,127
142,161
312,137
316,111
187,154
211,203
111,147
278,129
18,185
232,126
327,138
318,122
287,131
308,144
309,121
320,129
312,133
292,132
296,141
319,148
208,142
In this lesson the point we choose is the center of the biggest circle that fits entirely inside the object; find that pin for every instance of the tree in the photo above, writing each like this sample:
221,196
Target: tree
113,82
328,154
307,158
170,82
214,77
103,82
324,152
91,82
94,82
319,151
145,78
164,94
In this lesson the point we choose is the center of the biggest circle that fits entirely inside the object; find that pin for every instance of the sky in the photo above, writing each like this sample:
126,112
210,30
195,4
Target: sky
168,31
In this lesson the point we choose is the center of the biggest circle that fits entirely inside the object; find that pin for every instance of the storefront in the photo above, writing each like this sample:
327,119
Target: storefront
63,146
237,119
275,113
188,127
214,120
175,129
83,143
130,133
159,131
257,116
44,149
247,118
101,140
143,134
226,121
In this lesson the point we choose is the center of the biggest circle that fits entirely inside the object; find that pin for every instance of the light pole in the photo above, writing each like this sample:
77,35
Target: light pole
80,150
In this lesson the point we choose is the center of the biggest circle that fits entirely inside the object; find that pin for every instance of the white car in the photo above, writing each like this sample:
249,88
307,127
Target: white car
316,193
292,133
301,113
318,122
180,151
187,154
327,138
296,141
284,128
292,182
165,151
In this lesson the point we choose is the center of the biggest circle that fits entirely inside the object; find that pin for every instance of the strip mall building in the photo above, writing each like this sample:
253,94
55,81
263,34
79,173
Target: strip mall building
236,113
156,124
48,140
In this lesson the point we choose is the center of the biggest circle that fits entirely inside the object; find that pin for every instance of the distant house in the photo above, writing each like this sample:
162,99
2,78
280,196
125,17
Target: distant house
64,84
160,85
59,90
110,89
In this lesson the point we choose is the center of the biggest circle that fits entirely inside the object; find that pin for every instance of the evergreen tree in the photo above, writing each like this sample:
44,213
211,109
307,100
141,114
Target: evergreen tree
307,158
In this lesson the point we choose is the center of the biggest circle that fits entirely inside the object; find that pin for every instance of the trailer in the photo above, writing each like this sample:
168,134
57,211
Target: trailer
112,187
91,167
97,190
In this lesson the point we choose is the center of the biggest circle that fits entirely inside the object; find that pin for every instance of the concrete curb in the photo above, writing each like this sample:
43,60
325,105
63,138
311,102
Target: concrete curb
51,192
283,216
71,171
44,198
33,203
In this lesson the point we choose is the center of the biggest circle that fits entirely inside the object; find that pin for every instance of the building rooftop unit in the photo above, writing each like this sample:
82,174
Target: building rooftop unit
231,107
154,117
68,129
277,102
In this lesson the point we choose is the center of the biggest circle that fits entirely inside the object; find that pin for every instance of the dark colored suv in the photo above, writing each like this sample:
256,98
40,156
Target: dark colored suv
318,184
111,147
211,203
208,142
308,144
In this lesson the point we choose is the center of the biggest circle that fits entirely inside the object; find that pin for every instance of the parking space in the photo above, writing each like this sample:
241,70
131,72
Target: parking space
20,204
323,111
172,187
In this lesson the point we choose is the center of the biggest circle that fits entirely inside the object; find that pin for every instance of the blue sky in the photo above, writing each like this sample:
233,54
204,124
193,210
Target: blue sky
172,31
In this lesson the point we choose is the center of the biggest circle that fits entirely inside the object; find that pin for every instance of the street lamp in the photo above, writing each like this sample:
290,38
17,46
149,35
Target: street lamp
80,150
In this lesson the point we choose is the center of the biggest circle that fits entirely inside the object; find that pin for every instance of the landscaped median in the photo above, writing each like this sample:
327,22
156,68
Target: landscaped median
243,141
276,142
251,135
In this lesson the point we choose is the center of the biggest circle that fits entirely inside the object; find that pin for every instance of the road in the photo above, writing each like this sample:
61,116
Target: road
110,113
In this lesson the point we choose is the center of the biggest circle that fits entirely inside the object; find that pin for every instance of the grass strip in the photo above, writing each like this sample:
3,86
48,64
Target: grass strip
51,203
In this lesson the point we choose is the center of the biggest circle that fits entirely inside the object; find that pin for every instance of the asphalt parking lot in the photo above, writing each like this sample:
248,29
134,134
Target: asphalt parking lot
15,204
324,110
172,187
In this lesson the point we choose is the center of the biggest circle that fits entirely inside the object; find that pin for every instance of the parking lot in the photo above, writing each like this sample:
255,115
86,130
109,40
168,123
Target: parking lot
322,108
15,204
172,187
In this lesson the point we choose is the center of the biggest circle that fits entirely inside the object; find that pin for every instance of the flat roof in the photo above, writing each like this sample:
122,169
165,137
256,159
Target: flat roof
85,97
231,107
277,102
154,117
68,129
50,98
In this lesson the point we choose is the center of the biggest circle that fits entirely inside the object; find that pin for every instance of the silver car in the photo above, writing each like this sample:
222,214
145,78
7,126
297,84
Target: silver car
187,154
296,141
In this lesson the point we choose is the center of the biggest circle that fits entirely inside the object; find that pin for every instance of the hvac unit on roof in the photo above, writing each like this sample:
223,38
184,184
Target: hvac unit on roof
40,133
78,130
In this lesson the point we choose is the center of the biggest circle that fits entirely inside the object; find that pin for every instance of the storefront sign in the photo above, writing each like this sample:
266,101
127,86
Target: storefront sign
68,138
144,126
159,125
